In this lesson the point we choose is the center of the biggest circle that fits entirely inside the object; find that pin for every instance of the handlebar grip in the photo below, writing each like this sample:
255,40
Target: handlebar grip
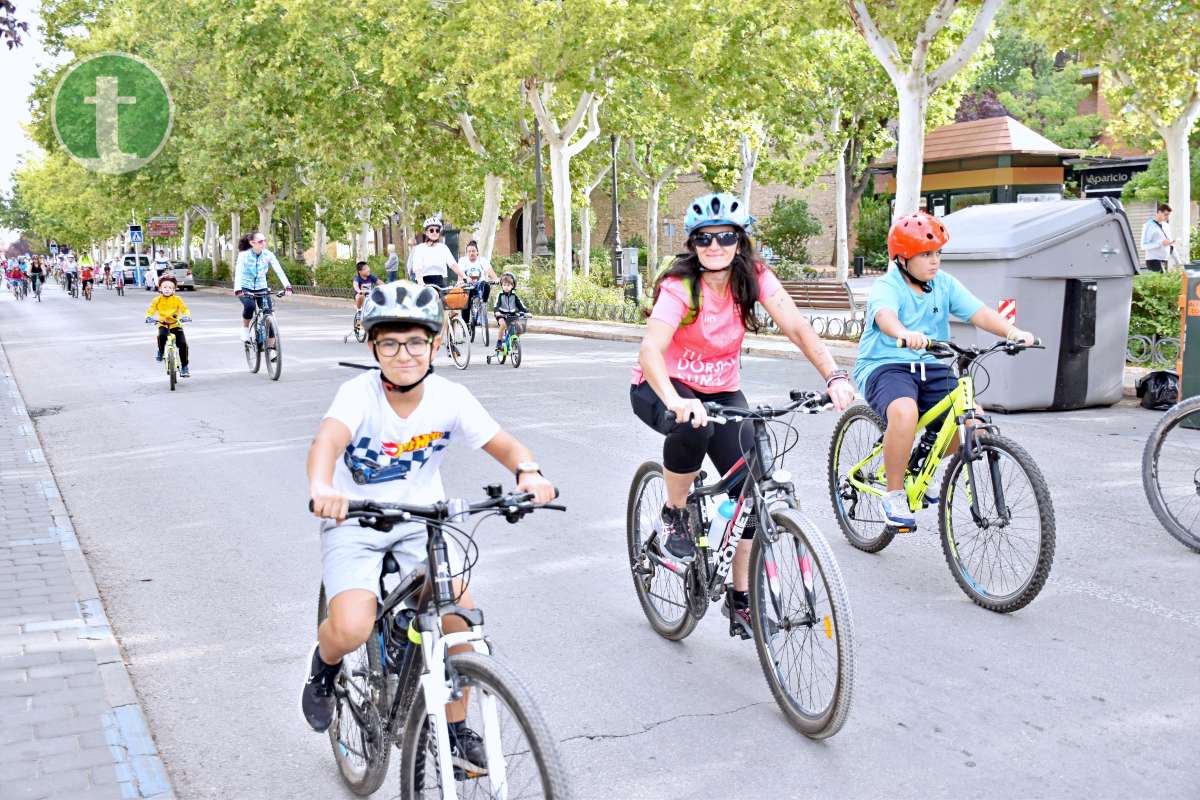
824,400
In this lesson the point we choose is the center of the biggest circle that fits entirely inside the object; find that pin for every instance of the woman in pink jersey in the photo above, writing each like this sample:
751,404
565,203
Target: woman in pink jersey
691,354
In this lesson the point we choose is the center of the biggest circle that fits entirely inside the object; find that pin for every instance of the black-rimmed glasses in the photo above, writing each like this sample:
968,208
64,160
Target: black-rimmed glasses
415,347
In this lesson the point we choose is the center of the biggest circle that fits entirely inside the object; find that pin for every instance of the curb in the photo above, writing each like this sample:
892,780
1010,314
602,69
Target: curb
140,770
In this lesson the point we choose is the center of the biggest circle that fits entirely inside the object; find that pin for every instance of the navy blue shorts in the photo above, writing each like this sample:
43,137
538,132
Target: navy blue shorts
894,381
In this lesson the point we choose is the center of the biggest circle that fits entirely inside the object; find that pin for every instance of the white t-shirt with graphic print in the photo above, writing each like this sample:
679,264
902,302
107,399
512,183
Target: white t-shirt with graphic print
398,460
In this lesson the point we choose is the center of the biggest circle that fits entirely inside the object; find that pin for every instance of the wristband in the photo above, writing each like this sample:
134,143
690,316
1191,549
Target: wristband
837,375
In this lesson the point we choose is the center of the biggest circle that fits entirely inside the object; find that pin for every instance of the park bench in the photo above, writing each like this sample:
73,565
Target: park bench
825,295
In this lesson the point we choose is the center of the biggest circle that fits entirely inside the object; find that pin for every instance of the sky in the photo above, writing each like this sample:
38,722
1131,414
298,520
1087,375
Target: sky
18,66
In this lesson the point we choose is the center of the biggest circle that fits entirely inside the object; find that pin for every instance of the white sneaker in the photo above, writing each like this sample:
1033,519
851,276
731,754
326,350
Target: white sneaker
245,334
896,512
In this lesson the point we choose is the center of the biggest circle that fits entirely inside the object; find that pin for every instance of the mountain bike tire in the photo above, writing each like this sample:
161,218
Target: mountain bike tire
957,547
1182,526
859,515
662,593
778,569
534,767
361,680
172,373
272,347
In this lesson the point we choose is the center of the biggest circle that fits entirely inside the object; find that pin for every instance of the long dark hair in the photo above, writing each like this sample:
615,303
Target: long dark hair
244,243
743,279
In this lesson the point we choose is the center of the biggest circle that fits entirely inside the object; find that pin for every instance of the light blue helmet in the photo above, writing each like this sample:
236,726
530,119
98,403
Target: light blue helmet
717,208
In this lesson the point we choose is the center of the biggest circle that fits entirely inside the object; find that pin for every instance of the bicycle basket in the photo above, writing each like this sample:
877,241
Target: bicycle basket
518,325
456,299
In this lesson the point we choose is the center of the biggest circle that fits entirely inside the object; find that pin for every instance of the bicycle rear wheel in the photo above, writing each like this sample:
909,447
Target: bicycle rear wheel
803,629
1171,471
359,738
522,758
1001,558
859,514
273,347
516,351
460,345
662,592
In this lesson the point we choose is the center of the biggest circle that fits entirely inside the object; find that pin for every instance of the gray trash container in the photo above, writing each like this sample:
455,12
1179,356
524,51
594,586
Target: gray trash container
1068,266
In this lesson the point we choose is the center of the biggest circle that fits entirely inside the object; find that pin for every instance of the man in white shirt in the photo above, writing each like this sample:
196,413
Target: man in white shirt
1155,242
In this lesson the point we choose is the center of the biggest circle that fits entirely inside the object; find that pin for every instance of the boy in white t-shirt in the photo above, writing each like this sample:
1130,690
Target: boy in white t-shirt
383,438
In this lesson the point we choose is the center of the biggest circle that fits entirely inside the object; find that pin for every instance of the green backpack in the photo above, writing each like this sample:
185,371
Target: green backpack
693,312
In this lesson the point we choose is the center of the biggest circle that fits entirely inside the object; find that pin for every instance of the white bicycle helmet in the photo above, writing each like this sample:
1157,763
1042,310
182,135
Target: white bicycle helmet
401,302
433,222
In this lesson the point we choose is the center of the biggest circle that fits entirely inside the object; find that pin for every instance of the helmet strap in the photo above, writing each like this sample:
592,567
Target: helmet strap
925,286
395,387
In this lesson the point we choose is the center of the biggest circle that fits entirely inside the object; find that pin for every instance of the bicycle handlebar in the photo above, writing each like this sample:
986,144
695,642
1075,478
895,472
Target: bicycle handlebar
514,505
810,402
944,348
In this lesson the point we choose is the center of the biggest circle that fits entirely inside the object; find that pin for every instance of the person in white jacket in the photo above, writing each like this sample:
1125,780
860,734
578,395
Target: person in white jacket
250,278
1155,242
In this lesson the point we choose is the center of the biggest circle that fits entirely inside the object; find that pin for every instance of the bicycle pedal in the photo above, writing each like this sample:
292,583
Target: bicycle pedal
895,529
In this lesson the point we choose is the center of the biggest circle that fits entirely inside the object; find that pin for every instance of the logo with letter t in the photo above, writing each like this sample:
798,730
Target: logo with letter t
112,113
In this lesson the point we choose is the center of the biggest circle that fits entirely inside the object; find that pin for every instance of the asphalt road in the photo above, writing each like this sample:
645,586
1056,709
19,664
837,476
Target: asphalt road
191,508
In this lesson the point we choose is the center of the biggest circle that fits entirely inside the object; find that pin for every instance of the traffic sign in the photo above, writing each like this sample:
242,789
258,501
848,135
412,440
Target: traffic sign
163,227
135,234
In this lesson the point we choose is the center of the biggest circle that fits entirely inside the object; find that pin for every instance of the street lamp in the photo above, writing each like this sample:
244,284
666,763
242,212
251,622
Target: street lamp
541,247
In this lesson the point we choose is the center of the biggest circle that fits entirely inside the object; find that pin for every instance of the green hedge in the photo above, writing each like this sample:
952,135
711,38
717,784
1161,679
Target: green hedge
1155,309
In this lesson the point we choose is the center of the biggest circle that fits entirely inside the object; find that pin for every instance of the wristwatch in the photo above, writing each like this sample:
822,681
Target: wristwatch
527,466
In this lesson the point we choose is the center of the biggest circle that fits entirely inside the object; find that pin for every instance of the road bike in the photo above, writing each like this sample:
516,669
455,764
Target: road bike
264,335
1171,471
395,687
458,340
477,316
799,609
995,515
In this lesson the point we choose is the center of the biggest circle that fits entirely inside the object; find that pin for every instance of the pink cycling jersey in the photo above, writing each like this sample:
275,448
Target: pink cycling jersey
706,354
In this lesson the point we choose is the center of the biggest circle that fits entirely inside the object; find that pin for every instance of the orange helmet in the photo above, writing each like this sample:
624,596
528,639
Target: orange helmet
915,233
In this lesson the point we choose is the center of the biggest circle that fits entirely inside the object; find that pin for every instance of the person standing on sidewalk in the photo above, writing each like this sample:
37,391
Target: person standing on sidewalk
392,266
1155,242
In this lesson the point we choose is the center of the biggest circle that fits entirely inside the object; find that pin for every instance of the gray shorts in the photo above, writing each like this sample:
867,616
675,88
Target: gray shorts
352,556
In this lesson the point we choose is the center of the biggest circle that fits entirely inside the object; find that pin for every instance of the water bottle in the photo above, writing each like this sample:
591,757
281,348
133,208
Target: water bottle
922,450
720,520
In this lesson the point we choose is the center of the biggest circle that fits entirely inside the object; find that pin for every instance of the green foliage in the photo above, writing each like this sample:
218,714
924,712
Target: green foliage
1195,254
874,220
1155,309
296,271
1152,184
787,270
788,227
336,273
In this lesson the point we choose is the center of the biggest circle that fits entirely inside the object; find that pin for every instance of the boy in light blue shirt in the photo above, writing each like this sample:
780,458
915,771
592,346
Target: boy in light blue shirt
913,302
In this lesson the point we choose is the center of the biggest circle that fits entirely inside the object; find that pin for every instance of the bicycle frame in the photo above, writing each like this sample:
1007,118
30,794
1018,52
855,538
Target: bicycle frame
959,408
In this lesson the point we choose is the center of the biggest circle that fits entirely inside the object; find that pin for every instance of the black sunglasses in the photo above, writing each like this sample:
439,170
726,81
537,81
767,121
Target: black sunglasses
433,230
724,238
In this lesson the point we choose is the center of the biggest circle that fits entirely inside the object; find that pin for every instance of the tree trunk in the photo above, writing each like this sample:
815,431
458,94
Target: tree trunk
527,223
560,184
910,147
1179,191
235,229
493,190
585,237
266,211
749,164
841,240
318,239
187,237
652,228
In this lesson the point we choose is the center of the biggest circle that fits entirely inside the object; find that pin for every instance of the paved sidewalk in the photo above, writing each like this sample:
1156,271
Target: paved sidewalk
71,725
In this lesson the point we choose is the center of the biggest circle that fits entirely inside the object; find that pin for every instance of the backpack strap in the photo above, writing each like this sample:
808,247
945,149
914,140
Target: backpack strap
693,312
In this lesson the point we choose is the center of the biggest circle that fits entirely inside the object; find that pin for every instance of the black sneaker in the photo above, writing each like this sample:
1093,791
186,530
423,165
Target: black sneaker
676,535
738,613
316,700
467,752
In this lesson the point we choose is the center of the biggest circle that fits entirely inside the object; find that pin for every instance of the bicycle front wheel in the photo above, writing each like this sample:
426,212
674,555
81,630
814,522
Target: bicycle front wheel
1171,471
515,355
803,629
475,314
360,333
460,345
999,553
859,513
273,347
253,349
172,372
359,738
522,759
662,592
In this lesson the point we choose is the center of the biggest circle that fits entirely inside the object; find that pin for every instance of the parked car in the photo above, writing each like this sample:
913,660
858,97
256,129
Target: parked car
183,275
129,265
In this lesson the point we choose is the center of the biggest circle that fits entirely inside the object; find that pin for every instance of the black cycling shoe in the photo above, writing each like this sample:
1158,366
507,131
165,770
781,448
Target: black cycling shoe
739,617
467,753
677,535
316,700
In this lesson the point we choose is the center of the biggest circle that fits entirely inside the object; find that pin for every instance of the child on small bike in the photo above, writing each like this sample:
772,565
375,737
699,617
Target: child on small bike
913,302
508,306
477,271
363,282
171,311
87,278
383,438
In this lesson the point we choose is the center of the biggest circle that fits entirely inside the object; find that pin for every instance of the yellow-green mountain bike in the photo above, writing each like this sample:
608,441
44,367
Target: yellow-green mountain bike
995,515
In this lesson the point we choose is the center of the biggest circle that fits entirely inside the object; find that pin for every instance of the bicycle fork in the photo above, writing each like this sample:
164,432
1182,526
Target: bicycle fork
972,454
